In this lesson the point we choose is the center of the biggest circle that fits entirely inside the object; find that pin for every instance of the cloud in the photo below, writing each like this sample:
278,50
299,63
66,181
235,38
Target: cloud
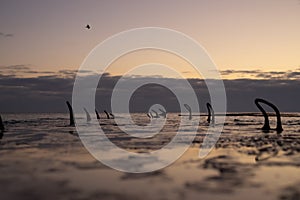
48,93
259,74
230,72
15,67
26,70
6,35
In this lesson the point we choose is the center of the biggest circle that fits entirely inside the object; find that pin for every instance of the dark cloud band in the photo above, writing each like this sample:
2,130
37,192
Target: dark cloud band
32,94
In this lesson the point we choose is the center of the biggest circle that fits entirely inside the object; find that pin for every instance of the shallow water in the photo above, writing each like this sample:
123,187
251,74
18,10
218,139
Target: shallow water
43,158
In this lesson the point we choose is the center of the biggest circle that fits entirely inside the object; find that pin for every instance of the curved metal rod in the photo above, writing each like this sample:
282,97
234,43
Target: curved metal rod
88,117
1,124
107,114
189,109
211,114
72,122
1,128
163,113
266,126
112,116
156,114
97,114
151,114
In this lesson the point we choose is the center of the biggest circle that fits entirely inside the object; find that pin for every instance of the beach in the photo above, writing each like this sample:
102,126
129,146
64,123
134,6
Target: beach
41,157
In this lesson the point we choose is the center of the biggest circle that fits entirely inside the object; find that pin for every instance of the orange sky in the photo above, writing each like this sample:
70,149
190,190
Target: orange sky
238,34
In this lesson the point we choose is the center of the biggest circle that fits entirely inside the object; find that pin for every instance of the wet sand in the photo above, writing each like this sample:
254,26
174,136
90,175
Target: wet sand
51,163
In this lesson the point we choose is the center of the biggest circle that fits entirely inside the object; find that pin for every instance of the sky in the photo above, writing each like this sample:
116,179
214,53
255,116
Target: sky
254,43
49,35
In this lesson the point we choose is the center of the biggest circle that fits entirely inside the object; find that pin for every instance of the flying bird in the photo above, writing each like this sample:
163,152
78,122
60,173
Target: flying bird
88,26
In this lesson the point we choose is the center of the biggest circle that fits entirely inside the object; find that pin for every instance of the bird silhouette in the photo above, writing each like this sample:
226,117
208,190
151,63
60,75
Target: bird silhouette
88,26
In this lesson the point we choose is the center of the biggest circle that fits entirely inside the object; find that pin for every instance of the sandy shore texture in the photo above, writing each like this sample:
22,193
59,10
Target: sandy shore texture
46,161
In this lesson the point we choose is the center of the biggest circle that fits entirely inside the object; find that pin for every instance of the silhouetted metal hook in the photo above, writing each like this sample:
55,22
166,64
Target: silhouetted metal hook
72,122
189,109
88,117
266,126
97,114
211,114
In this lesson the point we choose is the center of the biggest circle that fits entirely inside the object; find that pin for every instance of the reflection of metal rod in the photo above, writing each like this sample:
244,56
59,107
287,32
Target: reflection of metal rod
266,126
88,117
211,114
72,123
189,109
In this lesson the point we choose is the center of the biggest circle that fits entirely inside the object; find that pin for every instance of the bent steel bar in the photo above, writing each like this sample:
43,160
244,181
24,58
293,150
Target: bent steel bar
88,117
1,124
189,109
266,126
156,114
112,116
107,114
72,122
163,113
97,114
211,114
